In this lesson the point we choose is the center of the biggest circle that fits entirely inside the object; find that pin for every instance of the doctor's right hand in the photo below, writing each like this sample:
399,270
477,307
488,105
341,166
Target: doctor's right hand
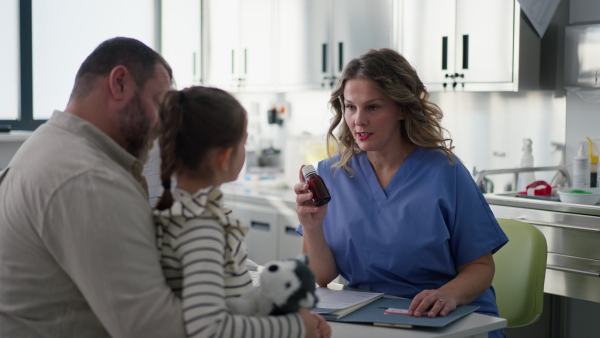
309,215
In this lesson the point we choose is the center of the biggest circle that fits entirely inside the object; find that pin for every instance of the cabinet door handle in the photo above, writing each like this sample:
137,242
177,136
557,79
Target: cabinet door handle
465,62
232,62
445,53
557,225
194,63
592,273
341,55
324,58
289,230
263,226
245,61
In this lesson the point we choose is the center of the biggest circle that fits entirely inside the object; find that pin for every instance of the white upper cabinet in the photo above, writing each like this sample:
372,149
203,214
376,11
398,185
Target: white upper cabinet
258,31
317,38
239,44
303,35
468,45
356,27
181,40
221,41
284,45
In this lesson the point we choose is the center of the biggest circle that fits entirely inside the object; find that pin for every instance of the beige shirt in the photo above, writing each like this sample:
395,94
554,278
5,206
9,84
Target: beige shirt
77,241
204,260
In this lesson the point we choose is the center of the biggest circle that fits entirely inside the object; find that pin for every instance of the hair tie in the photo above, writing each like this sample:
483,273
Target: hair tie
181,96
167,184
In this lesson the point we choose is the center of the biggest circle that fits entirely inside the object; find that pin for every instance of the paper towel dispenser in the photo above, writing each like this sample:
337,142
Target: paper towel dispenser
582,56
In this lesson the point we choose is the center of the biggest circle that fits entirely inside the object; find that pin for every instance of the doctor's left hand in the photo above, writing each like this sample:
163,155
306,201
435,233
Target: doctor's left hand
432,303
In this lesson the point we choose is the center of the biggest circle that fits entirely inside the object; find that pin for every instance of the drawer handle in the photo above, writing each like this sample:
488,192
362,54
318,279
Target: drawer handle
573,270
556,225
260,225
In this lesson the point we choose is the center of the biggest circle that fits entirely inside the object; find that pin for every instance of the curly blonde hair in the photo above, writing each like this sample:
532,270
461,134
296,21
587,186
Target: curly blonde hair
397,79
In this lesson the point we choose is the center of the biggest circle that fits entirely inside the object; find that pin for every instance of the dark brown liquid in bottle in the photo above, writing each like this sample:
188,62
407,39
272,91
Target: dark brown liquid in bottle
317,187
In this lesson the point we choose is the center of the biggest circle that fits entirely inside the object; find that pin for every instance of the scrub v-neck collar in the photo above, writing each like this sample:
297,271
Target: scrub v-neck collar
379,194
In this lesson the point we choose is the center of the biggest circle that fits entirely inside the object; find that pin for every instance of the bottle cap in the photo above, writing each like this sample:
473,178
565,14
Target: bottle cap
308,169
580,152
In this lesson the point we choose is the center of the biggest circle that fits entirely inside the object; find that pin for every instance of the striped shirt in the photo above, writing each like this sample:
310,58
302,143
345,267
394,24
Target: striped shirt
203,258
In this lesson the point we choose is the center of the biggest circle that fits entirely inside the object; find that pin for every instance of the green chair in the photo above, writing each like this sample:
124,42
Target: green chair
520,273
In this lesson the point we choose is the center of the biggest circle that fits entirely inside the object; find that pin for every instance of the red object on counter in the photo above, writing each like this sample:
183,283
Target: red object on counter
538,188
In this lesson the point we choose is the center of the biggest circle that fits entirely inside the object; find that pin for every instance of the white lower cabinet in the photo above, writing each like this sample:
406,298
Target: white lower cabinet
272,232
261,240
290,242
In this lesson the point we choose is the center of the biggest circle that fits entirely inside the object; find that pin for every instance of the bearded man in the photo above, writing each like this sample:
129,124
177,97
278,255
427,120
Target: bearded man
77,244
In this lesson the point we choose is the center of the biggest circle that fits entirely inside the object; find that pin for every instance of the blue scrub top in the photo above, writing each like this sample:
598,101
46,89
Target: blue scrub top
411,236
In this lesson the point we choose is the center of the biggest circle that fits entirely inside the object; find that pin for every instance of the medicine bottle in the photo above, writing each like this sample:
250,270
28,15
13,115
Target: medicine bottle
316,185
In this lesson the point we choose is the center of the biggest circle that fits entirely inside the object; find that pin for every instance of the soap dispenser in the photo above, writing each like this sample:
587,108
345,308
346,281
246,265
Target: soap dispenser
581,169
528,177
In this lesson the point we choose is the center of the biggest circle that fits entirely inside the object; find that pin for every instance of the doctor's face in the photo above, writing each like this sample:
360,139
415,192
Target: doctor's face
372,117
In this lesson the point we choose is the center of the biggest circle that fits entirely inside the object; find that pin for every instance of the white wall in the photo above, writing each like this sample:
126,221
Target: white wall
488,129
480,124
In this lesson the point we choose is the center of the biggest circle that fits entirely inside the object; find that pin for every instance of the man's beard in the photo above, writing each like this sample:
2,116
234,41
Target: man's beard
136,129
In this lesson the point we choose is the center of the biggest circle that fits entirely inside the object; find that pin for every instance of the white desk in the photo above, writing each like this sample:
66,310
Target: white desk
472,325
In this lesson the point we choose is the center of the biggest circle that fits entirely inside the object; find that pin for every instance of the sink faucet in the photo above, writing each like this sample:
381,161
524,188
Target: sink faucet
481,175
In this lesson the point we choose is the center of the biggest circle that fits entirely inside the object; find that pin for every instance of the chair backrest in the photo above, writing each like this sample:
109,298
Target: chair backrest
520,273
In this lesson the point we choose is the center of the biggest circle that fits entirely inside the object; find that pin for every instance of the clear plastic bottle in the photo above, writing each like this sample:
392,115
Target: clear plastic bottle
581,169
316,185
526,178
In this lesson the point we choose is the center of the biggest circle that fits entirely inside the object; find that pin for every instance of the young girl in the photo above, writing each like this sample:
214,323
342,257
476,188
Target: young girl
203,253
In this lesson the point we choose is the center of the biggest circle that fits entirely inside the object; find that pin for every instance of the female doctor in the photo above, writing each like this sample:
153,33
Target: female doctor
405,217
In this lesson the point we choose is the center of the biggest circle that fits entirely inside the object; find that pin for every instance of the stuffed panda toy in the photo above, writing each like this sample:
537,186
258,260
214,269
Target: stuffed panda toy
284,286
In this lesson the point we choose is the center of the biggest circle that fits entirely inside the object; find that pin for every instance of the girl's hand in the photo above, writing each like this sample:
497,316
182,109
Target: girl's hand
322,326
432,303
309,215
310,323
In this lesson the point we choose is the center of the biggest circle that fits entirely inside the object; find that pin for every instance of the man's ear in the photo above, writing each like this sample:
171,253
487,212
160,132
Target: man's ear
223,158
119,83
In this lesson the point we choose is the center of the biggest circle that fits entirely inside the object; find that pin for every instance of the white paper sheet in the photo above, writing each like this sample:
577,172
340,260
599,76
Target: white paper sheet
330,300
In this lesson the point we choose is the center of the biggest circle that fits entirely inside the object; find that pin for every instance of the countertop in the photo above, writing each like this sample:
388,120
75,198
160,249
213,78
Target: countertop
510,199
269,194
279,196
15,136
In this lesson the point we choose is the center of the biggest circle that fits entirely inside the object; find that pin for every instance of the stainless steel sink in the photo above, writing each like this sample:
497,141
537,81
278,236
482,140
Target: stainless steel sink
512,199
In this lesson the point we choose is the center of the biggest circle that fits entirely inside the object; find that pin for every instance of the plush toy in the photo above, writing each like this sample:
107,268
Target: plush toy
284,286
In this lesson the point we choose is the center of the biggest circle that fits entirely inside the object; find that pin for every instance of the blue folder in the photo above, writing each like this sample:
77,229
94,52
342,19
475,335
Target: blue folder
374,313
